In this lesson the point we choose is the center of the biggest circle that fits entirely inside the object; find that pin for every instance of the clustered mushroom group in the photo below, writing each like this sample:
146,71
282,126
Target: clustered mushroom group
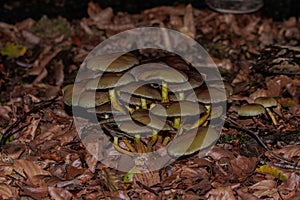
158,100
260,105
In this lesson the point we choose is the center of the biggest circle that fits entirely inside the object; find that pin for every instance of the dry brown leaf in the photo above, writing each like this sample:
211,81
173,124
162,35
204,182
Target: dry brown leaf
59,193
59,72
6,191
272,193
264,185
246,196
4,112
35,192
29,169
220,193
292,183
91,161
289,151
242,166
148,178
217,153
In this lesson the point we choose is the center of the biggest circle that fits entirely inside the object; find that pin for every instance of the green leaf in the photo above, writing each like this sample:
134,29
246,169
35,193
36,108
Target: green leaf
13,50
267,169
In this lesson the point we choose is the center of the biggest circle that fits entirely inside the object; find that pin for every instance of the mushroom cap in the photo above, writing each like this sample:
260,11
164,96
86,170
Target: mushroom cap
109,80
145,91
175,62
105,108
132,128
194,80
69,97
203,95
266,101
192,141
108,63
132,100
178,109
86,101
143,116
158,71
67,92
250,110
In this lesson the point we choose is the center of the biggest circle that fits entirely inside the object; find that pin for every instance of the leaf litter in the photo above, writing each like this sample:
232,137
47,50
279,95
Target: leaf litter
45,158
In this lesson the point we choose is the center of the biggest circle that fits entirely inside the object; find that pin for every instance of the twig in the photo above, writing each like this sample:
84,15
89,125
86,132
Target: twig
281,165
8,133
147,188
258,139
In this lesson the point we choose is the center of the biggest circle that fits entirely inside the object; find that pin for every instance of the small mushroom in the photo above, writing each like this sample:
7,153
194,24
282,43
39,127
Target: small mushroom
143,116
192,141
112,62
178,110
110,81
70,98
251,110
212,95
159,72
130,127
267,103
145,92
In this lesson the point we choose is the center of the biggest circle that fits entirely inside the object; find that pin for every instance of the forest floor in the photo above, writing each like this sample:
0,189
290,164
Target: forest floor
42,156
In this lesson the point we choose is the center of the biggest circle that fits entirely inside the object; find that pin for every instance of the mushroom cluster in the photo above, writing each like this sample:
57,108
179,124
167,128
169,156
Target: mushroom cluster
146,104
260,105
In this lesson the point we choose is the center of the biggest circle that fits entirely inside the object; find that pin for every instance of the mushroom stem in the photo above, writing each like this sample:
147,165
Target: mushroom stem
272,116
159,139
176,122
138,143
128,144
144,103
164,92
118,148
203,118
166,140
181,96
152,141
114,102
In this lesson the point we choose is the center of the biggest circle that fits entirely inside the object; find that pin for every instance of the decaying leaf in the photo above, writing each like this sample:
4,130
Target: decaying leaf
13,50
29,169
7,191
267,169
290,152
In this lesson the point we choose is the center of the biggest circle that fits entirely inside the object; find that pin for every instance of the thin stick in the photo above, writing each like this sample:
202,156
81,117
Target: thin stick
258,139
8,133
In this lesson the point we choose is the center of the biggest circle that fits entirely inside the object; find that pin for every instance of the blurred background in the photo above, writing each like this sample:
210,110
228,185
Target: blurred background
16,10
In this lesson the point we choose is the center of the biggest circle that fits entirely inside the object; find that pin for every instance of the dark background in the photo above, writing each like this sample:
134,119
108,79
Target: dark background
17,10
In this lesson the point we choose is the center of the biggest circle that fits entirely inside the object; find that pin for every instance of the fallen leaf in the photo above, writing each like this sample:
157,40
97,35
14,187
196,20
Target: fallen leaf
7,191
29,169
264,185
267,169
59,193
289,151
13,50
242,166
220,193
